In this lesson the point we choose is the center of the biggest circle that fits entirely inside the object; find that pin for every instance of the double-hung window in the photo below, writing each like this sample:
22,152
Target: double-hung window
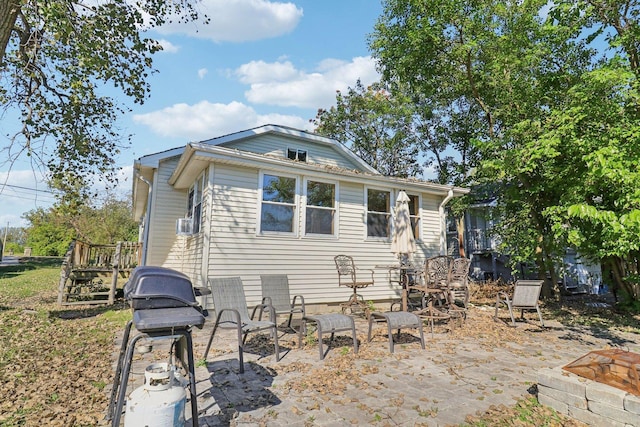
378,213
194,203
278,206
414,214
320,213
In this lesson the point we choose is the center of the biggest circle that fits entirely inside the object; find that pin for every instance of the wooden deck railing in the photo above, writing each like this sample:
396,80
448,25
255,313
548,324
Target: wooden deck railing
86,264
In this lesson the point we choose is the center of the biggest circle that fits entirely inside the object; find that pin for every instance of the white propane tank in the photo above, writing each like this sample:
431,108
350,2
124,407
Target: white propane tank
159,402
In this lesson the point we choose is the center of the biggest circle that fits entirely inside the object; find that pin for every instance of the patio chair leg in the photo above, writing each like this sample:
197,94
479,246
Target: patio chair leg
540,316
289,321
355,339
241,348
213,333
513,319
390,333
274,333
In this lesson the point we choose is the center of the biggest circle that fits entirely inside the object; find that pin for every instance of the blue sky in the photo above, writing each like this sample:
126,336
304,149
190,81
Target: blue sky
258,62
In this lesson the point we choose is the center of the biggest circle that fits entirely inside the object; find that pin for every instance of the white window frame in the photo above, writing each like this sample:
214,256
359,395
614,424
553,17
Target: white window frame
336,210
367,211
294,205
298,151
194,202
413,216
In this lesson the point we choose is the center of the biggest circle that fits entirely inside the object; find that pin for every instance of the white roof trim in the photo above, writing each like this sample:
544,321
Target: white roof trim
208,152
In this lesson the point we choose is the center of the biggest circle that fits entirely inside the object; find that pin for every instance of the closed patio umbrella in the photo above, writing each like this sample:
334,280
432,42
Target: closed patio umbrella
403,243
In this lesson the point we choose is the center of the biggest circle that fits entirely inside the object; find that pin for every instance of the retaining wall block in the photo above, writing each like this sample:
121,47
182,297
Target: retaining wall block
599,392
562,380
632,404
615,413
593,419
569,399
559,407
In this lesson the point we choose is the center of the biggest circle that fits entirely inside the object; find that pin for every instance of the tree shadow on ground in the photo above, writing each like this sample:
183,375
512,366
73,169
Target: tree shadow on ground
86,312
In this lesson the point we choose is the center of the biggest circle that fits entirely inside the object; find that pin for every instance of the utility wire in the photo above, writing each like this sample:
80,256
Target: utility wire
2,186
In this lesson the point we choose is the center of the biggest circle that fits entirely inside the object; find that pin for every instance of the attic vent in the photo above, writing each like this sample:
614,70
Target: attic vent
184,226
299,155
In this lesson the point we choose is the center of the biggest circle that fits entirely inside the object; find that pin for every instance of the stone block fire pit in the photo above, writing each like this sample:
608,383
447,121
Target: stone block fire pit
599,388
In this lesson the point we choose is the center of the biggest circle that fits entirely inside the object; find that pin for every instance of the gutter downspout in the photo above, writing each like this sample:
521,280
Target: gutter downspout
147,219
443,222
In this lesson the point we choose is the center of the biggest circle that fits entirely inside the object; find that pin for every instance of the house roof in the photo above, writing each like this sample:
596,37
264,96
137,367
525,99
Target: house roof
285,130
196,156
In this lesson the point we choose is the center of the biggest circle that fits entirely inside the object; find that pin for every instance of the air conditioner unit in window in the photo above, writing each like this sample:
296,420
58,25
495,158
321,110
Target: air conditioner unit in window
184,226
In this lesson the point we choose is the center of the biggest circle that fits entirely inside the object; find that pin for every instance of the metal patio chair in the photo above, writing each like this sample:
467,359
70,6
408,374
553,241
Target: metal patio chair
355,278
275,292
231,309
525,297
458,283
433,280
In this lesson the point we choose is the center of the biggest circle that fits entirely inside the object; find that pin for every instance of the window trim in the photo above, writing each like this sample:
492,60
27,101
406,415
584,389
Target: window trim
411,215
197,188
366,213
295,204
298,151
336,208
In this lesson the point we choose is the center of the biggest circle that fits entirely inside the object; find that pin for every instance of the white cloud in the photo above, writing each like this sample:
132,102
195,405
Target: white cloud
168,47
256,72
202,72
240,20
206,120
281,84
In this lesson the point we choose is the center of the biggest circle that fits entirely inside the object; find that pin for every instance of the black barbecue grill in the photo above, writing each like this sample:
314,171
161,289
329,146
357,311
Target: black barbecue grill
164,306
161,299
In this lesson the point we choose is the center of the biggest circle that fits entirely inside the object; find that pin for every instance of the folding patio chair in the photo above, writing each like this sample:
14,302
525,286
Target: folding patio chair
525,297
231,309
275,292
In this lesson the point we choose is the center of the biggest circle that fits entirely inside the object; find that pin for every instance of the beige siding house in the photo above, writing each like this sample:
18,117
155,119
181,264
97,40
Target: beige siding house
279,200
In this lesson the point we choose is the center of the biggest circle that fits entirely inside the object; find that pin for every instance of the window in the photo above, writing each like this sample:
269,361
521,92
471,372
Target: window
378,213
194,203
414,212
321,208
299,155
278,204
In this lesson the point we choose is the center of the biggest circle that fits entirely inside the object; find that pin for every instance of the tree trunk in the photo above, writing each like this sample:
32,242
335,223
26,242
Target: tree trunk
8,15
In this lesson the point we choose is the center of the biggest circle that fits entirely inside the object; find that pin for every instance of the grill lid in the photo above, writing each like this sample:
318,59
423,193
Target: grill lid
152,287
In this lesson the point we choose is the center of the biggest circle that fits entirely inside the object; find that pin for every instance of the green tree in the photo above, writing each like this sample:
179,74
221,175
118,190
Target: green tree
105,222
534,82
376,125
49,233
56,59
108,222
599,212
